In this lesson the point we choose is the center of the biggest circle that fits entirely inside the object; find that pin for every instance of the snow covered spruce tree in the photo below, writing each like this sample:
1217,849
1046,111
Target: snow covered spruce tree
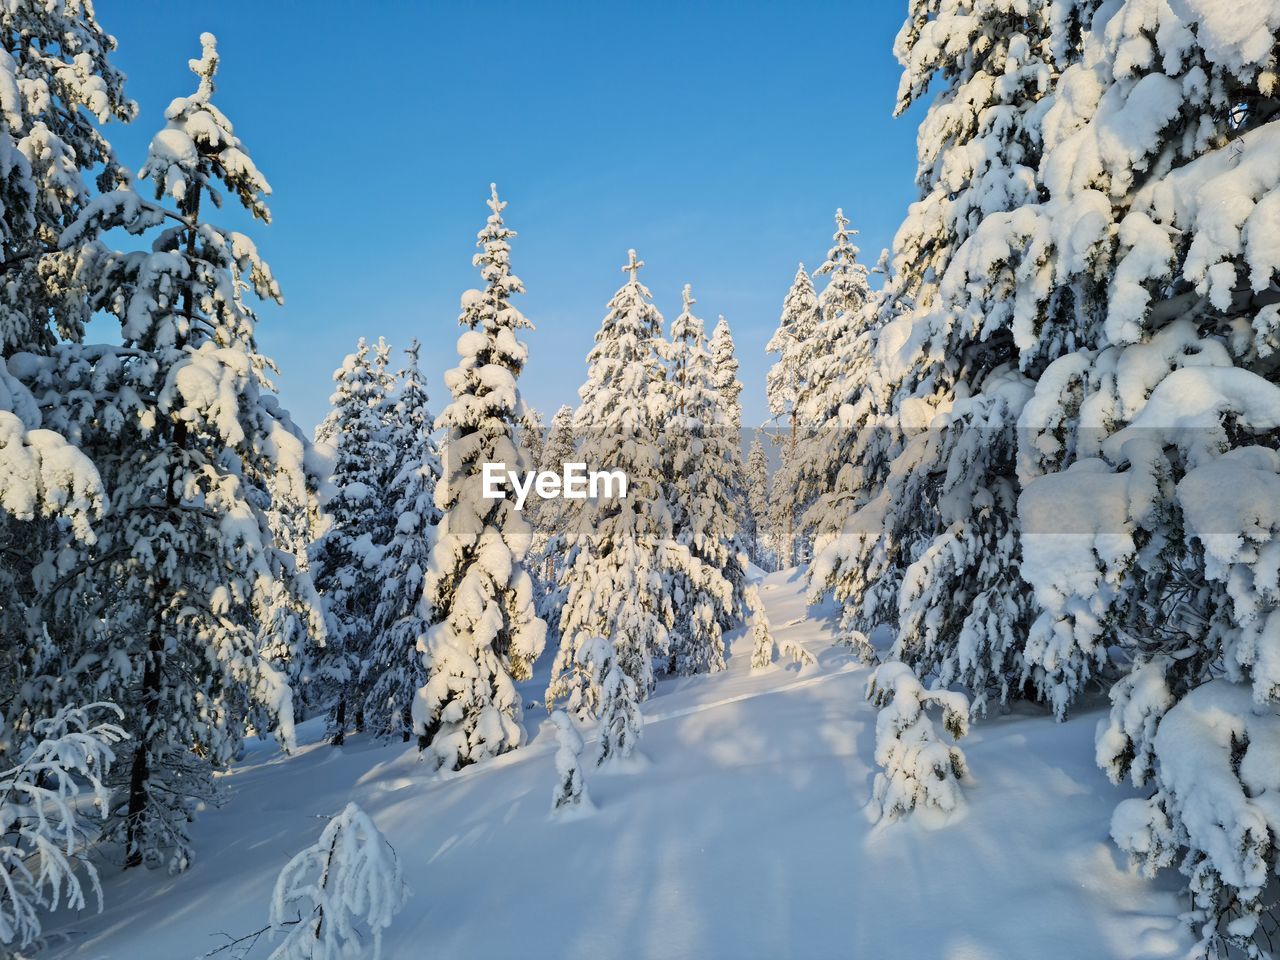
841,406
701,468
60,86
60,89
164,612
560,447
1149,455
555,520
478,597
50,496
531,438
918,768
789,387
936,552
724,378
724,372
620,719
758,533
761,634
347,557
532,434
395,668
615,580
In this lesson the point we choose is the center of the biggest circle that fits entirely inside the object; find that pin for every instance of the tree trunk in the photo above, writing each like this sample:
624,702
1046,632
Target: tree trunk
140,773
340,722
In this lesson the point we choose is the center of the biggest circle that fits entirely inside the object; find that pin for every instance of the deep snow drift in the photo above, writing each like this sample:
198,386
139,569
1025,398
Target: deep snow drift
744,837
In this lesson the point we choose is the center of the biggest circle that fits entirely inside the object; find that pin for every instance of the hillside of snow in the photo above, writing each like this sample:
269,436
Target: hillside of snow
744,837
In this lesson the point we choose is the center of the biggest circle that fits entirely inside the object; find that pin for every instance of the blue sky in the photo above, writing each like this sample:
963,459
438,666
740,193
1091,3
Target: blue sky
715,138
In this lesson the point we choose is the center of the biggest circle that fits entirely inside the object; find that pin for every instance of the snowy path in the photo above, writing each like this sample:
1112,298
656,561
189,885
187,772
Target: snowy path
744,838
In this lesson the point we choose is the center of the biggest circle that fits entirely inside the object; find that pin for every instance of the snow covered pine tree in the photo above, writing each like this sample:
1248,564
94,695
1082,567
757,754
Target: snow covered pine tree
346,558
52,154
936,553
614,578
795,342
165,611
395,667
700,467
1149,452
842,405
555,521
758,533
483,631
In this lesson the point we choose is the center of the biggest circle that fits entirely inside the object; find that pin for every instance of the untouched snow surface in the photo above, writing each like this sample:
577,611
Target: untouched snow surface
743,837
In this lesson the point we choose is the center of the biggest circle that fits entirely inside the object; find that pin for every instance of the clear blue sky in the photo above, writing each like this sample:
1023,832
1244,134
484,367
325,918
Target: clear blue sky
715,138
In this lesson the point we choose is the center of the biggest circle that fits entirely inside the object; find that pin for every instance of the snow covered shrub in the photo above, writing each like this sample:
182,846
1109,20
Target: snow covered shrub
1215,764
570,797
41,828
335,898
917,768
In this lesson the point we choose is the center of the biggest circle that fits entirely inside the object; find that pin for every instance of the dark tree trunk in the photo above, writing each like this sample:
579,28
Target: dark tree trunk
340,722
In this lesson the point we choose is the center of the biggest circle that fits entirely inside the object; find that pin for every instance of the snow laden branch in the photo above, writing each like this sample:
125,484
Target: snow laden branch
41,833
1213,759
335,898
918,768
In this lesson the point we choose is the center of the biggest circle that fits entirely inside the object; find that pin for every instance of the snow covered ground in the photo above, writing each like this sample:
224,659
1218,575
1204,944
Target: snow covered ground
744,837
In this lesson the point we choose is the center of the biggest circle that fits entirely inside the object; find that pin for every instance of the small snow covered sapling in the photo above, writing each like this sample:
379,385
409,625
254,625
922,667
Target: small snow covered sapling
762,635
40,828
343,889
570,797
620,719
917,767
